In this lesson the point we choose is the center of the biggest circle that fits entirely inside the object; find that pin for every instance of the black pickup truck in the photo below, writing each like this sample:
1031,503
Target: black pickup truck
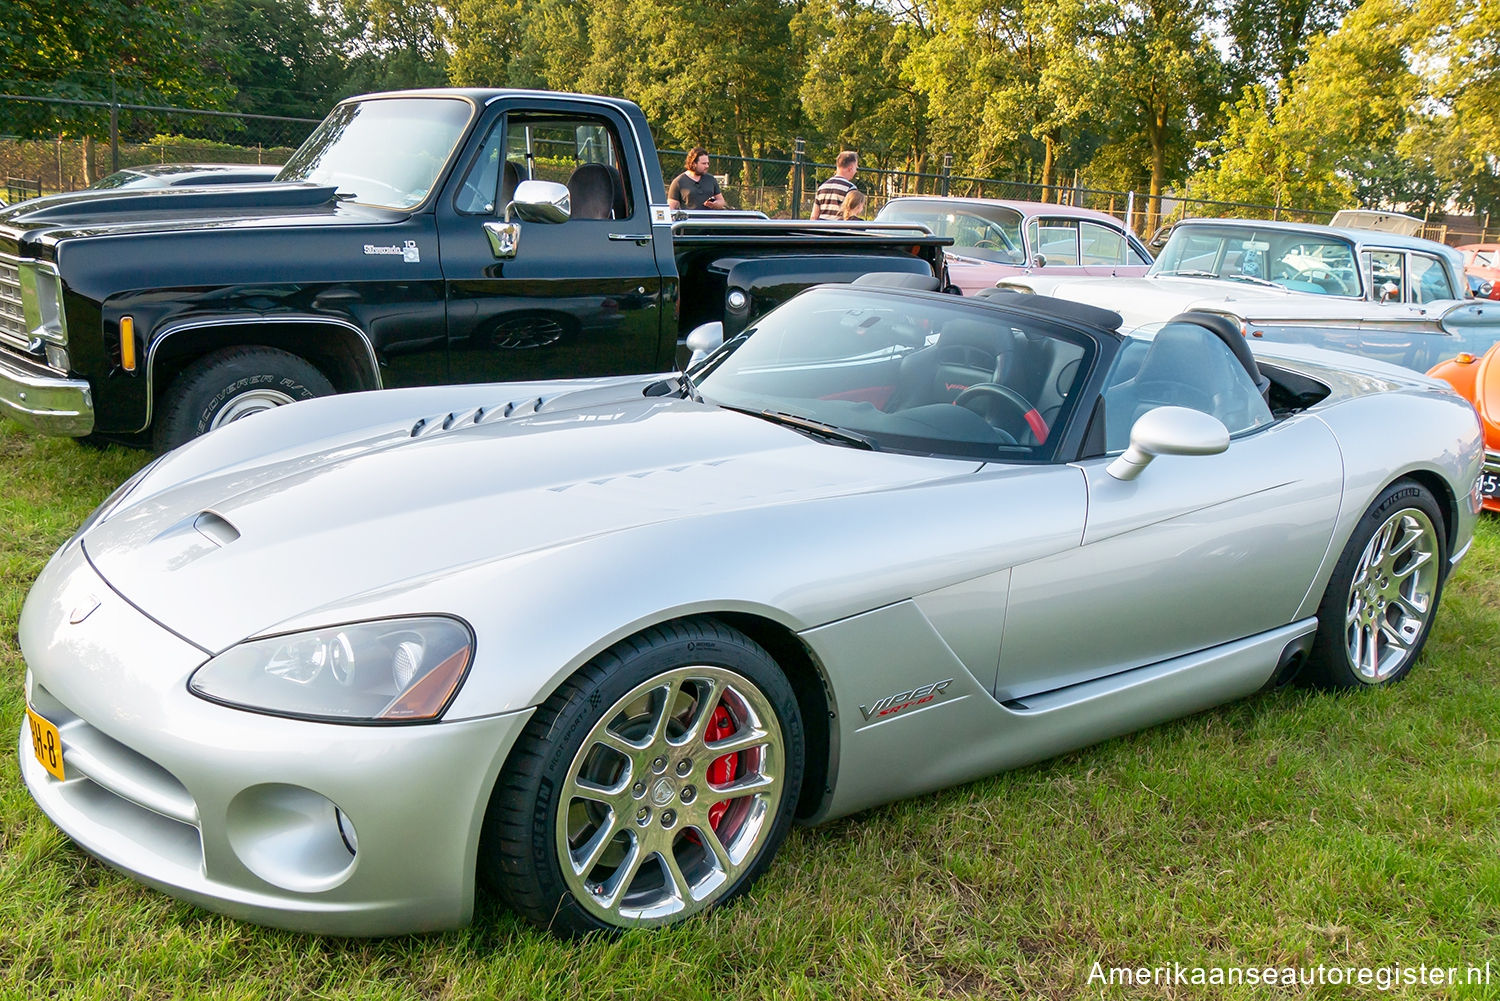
415,238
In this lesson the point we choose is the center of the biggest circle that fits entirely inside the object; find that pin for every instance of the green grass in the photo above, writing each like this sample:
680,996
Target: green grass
1289,829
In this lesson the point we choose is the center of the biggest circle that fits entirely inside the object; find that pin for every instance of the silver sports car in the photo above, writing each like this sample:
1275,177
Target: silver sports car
597,645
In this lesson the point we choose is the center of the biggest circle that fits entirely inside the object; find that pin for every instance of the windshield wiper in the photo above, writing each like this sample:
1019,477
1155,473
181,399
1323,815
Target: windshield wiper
809,426
1188,273
1254,278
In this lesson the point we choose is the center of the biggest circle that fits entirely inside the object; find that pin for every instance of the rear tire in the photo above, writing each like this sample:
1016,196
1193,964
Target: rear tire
1384,593
229,385
656,783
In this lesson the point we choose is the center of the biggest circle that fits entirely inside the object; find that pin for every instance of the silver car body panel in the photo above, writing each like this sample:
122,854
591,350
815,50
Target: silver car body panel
924,590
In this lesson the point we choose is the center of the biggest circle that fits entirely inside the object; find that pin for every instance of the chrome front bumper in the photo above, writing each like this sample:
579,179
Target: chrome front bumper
39,398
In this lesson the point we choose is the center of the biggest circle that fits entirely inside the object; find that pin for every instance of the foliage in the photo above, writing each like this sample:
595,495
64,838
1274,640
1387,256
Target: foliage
1318,102
139,51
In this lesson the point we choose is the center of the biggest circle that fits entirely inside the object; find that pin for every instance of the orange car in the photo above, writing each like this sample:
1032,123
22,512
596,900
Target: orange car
1478,381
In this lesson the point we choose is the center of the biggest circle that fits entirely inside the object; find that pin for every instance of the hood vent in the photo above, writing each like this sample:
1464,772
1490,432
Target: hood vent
447,422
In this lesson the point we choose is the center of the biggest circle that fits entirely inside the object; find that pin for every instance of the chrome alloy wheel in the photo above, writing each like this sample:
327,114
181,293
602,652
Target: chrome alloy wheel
1392,595
245,404
670,797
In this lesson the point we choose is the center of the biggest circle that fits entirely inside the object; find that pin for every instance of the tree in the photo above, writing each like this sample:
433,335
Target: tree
854,90
1153,64
394,44
135,51
1270,36
279,55
1268,158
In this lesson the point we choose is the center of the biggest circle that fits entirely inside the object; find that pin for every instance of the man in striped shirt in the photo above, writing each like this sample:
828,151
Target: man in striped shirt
830,196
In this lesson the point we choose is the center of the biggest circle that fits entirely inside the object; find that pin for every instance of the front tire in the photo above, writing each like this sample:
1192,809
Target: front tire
655,783
1384,592
232,384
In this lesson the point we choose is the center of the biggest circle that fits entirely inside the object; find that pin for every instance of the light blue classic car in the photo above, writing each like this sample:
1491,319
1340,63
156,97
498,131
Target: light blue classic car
1382,295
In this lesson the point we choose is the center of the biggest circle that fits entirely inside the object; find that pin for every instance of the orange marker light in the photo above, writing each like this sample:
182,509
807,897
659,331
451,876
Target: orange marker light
127,343
1464,358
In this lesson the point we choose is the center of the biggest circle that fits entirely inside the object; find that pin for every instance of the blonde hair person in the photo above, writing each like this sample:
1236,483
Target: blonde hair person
854,204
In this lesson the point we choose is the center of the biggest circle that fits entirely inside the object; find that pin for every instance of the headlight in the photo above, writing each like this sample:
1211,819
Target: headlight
391,671
41,303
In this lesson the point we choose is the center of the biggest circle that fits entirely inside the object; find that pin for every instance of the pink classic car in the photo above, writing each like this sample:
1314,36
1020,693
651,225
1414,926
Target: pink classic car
995,239
1482,261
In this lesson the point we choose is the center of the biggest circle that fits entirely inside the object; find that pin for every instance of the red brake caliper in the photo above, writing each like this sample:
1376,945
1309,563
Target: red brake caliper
723,769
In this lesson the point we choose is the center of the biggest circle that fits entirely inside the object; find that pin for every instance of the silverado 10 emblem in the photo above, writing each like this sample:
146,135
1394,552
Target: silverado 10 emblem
893,704
408,252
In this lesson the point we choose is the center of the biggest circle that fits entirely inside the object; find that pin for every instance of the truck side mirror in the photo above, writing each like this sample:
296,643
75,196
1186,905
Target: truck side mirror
1169,431
540,201
1389,291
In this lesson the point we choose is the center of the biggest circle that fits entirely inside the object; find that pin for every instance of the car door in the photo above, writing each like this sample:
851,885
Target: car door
575,298
1400,328
1195,552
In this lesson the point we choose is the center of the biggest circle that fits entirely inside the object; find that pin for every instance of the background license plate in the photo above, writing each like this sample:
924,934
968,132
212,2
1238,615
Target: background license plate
46,742
1489,484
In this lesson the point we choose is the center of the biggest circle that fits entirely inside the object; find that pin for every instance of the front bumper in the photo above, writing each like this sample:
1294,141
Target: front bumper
235,811
39,398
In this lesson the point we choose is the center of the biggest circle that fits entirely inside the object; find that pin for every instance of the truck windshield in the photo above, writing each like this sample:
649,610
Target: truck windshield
386,151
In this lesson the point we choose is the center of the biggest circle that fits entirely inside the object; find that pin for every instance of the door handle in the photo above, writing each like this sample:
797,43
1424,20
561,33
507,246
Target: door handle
505,238
631,237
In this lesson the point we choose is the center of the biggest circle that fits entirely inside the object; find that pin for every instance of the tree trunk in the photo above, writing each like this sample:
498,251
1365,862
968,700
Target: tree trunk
1158,133
88,161
1049,156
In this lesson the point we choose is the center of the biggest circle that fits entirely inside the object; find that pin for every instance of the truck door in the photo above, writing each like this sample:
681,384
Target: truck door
577,298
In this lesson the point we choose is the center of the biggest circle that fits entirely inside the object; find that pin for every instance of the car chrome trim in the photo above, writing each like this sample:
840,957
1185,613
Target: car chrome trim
240,321
38,399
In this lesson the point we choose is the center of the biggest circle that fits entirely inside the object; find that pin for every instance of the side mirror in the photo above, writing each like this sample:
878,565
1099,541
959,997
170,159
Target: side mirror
1039,261
1389,291
704,340
1169,431
540,201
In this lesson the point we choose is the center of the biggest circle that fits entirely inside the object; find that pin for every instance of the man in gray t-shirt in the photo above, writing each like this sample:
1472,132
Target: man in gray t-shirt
695,187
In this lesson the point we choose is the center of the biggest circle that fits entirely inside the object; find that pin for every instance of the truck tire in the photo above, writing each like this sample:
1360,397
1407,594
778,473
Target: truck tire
229,385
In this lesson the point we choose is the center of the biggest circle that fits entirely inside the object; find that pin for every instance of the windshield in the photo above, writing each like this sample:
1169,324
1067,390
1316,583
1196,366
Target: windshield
385,152
986,232
1301,262
889,368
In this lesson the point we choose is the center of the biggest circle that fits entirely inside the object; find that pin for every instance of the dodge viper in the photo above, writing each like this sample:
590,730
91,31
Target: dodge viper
596,645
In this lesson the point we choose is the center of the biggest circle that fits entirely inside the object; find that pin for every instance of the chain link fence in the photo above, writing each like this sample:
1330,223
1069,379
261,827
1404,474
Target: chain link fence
134,135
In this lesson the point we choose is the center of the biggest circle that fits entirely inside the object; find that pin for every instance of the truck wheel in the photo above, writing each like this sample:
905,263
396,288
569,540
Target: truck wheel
231,384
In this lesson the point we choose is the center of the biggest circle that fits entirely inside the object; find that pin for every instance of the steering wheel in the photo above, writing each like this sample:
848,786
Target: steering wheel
989,399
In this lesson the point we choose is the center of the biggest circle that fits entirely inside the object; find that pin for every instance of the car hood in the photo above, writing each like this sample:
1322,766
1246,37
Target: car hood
231,553
115,212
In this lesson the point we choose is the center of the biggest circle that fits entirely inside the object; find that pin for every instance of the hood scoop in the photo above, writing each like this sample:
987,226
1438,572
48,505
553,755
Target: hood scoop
93,203
216,528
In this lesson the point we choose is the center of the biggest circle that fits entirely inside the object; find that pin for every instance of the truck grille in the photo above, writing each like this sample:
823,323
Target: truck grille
12,317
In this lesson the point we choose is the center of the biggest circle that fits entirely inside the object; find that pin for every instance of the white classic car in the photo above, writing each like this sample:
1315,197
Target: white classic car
1396,298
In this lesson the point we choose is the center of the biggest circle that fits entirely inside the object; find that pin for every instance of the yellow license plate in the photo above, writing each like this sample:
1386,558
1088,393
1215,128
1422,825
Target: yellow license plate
46,743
